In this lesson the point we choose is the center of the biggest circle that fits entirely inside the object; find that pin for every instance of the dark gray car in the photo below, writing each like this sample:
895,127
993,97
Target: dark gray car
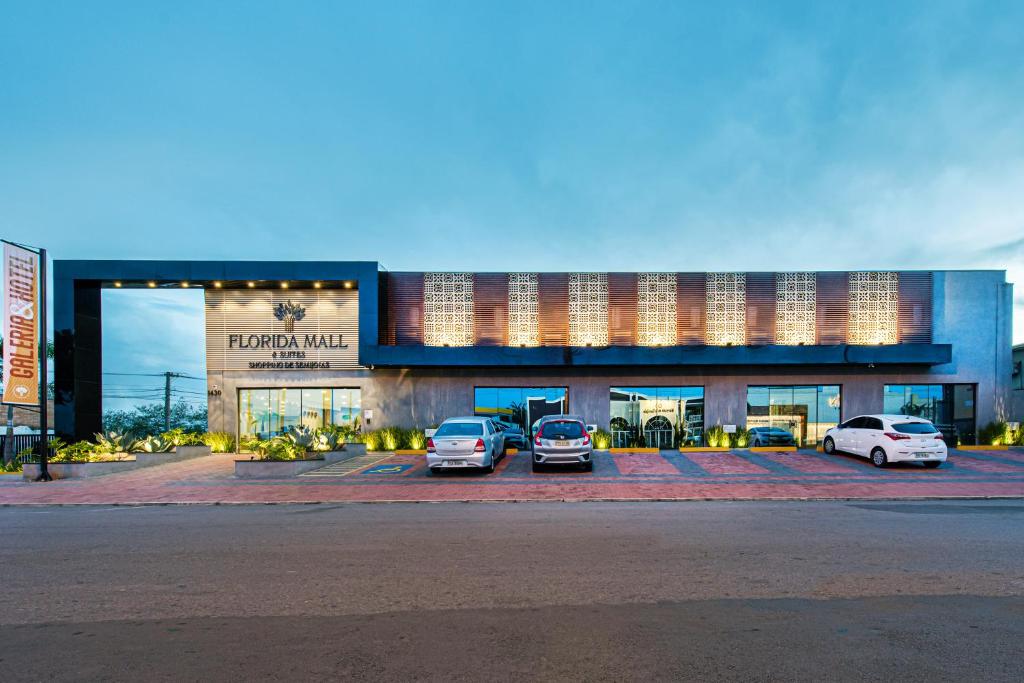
562,440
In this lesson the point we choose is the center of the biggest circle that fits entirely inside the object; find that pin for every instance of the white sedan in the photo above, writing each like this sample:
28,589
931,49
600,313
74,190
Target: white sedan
888,438
465,443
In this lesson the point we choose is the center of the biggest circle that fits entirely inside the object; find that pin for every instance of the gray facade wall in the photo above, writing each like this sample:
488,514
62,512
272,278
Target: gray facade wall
972,311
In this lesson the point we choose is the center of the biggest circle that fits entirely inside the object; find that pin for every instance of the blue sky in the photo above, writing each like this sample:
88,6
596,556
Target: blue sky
652,136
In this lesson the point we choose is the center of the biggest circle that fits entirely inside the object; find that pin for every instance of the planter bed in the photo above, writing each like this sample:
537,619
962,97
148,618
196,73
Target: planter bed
276,469
79,470
177,455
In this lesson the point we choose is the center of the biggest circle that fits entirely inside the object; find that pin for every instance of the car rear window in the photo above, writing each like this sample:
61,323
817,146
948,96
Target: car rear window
564,430
460,429
915,428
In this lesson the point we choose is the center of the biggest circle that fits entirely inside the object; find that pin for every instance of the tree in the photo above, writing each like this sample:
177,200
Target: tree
149,419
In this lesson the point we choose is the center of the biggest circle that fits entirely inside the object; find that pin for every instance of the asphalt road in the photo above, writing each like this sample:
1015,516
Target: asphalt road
923,591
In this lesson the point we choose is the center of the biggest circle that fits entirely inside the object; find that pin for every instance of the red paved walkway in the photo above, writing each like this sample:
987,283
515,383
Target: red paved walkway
669,475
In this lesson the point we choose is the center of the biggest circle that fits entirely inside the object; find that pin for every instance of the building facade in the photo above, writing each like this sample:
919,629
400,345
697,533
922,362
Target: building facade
655,358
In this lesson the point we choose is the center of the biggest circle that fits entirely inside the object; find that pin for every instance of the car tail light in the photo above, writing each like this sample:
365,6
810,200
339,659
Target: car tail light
586,437
430,446
896,436
479,448
940,436
537,440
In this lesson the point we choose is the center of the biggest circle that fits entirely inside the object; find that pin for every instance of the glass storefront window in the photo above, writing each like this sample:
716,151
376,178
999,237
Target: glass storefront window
805,411
656,417
264,413
946,405
521,406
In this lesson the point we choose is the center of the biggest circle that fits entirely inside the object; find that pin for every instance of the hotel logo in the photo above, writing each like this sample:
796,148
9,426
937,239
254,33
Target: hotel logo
288,313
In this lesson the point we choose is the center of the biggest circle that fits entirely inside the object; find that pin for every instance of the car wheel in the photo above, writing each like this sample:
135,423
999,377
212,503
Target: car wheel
829,446
878,458
932,464
588,466
537,467
492,466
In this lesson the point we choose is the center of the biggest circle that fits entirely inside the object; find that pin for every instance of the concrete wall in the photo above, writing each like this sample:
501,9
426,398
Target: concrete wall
972,311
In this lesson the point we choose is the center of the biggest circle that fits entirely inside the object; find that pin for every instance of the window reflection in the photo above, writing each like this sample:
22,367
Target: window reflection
264,413
521,406
805,412
656,417
948,406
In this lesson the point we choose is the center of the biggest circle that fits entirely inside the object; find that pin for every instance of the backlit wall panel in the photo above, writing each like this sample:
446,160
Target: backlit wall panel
873,308
523,306
588,309
447,309
726,308
656,309
795,305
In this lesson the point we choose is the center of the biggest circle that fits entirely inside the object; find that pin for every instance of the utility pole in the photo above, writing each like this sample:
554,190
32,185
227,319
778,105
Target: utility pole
167,398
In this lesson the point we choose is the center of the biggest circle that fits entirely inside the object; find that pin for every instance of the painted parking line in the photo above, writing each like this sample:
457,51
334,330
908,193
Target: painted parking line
347,467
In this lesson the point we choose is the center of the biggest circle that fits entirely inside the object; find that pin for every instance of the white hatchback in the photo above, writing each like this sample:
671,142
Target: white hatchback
888,438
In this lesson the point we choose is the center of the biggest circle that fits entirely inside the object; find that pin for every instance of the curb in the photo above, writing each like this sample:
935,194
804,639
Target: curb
505,501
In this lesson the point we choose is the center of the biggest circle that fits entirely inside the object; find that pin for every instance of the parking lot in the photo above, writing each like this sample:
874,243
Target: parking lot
668,475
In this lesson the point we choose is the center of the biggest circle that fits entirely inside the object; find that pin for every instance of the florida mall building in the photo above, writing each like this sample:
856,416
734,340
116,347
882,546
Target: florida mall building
655,358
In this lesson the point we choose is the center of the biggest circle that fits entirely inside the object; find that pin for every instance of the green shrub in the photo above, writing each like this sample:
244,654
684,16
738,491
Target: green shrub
716,437
994,434
179,437
219,442
741,439
395,438
80,451
602,439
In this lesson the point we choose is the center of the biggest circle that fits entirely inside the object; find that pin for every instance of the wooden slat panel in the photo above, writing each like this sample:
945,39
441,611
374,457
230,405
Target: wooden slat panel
691,303
327,332
761,308
553,297
490,309
622,309
833,290
915,307
405,308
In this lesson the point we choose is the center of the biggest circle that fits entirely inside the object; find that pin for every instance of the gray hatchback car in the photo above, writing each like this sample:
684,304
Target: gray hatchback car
562,440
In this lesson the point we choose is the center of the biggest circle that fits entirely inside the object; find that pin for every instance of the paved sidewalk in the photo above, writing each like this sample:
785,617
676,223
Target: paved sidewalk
737,475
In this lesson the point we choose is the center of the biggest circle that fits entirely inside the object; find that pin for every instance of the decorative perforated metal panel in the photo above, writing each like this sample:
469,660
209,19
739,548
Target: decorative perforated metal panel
726,308
523,307
588,309
795,312
447,309
873,308
656,309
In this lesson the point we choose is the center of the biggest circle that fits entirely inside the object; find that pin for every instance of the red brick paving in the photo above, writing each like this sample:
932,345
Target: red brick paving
725,463
722,476
643,463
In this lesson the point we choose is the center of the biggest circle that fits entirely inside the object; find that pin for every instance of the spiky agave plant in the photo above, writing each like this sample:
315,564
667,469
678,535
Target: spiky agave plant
115,442
156,444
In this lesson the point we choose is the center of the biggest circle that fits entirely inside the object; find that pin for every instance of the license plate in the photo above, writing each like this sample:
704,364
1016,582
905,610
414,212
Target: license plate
563,444
452,463
922,455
